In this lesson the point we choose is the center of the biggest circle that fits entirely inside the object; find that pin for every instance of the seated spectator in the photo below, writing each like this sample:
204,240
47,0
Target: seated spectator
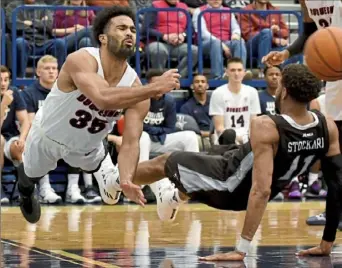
234,105
221,34
160,124
73,26
198,106
267,97
166,36
14,121
263,33
34,34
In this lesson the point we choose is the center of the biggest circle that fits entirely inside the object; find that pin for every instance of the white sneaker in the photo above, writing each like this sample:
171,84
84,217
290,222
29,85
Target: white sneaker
167,204
4,200
109,182
74,196
48,196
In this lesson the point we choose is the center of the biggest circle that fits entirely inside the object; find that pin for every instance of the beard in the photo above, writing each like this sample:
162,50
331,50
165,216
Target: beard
120,50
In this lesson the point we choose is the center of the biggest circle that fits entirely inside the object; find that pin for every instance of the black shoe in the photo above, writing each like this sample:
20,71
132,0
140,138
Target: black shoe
30,207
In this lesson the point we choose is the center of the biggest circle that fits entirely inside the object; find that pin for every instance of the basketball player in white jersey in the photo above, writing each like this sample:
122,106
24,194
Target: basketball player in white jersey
318,14
93,88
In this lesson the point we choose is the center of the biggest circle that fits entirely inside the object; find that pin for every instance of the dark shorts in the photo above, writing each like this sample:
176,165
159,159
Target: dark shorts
211,179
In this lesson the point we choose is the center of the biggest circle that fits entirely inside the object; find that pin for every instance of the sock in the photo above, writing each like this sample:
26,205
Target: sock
72,180
44,183
295,180
25,183
88,179
313,177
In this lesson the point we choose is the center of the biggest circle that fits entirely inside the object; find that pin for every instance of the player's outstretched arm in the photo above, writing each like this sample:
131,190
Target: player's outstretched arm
332,172
129,152
262,143
82,68
297,47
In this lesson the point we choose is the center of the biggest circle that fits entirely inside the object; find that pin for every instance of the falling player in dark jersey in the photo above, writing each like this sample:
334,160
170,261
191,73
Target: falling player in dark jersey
246,178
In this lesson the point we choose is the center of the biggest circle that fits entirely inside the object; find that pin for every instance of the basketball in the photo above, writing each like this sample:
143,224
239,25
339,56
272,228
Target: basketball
323,54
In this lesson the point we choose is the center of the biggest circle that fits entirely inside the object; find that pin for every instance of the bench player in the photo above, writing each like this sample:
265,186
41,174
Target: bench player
280,148
318,14
93,88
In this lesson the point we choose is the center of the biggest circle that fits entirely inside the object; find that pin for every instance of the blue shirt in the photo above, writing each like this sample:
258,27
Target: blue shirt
10,128
34,96
199,112
161,119
267,103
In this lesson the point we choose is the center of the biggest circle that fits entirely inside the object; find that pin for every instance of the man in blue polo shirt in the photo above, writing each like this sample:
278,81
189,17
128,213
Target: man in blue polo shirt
198,105
14,121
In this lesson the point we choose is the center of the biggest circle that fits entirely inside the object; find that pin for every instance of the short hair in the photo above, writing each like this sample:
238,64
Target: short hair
4,69
300,83
46,59
275,66
153,73
103,18
234,60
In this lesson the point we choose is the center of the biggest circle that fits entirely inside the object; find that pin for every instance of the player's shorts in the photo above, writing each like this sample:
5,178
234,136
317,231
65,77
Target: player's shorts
42,153
7,150
211,179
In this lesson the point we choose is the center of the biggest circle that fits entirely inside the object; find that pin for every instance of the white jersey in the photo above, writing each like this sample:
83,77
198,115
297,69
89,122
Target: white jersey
321,102
236,108
73,120
327,13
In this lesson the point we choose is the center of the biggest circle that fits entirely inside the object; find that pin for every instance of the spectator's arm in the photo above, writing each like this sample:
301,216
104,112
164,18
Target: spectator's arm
216,110
58,27
44,21
24,122
149,25
255,102
30,106
235,26
284,30
247,28
206,35
185,109
21,23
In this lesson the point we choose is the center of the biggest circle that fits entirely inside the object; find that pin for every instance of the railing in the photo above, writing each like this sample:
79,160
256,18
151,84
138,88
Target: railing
23,80
3,38
262,13
142,58
149,39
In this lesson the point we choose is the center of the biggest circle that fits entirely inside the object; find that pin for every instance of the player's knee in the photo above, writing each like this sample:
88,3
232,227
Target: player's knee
16,154
266,33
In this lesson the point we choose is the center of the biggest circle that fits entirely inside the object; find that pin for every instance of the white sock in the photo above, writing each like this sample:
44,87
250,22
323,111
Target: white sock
88,179
44,183
312,178
72,180
295,179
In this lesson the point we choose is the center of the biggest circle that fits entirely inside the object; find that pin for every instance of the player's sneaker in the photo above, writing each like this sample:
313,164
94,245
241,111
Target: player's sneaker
91,195
316,220
74,196
294,191
48,196
109,181
30,207
315,190
167,203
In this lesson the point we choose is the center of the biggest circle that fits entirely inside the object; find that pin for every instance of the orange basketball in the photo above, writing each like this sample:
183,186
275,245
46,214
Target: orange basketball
323,54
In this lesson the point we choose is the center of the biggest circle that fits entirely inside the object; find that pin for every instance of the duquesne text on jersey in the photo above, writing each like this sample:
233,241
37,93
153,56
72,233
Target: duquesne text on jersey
104,113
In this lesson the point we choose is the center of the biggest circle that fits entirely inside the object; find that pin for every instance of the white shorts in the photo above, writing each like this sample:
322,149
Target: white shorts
7,150
42,153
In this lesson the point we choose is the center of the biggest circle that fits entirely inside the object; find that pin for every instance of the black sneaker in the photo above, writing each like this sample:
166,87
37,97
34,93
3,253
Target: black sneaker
30,207
91,195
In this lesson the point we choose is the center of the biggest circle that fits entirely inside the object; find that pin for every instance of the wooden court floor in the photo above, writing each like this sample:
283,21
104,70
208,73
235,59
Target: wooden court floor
130,236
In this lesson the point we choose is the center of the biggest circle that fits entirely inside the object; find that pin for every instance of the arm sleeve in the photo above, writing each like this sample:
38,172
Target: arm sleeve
19,101
332,172
297,46
255,102
29,102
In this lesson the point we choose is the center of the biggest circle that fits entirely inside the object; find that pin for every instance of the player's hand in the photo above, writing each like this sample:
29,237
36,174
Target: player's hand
275,58
133,192
7,98
324,249
168,81
230,256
